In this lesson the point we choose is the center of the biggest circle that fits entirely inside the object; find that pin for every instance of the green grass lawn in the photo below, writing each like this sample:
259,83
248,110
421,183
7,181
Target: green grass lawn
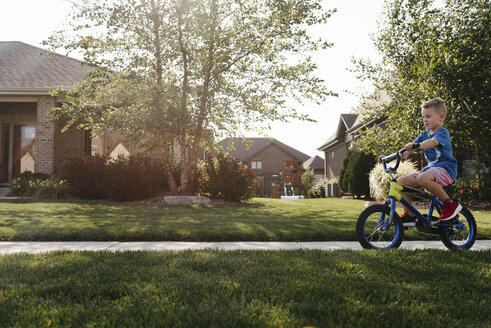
260,220
396,288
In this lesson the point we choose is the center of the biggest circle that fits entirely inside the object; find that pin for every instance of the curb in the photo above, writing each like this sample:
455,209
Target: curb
115,246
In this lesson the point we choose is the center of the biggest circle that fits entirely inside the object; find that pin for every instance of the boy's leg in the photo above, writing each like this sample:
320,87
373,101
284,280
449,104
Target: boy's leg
428,181
409,181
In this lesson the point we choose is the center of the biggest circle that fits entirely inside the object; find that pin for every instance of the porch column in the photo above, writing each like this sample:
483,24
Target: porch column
45,136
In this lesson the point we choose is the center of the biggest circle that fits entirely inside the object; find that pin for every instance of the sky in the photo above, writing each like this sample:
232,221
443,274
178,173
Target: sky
350,29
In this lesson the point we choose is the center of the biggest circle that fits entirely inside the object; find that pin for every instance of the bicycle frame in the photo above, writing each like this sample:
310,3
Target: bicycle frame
394,196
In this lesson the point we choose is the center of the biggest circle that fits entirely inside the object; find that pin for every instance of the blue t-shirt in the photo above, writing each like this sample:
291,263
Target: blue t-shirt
441,155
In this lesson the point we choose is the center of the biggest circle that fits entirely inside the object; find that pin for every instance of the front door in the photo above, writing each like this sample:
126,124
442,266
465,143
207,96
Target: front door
4,152
16,150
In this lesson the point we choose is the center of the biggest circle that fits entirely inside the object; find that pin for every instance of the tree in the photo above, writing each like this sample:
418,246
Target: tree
431,51
308,179
353,176
186,71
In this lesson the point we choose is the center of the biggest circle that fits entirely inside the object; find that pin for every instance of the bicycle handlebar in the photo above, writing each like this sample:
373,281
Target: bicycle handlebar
397,155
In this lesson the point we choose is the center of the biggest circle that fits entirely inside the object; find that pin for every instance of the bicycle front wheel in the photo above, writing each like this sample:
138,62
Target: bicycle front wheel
375,231
462,233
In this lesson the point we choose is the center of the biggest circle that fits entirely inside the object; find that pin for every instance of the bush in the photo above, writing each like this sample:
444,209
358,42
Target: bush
24,183
380,180
308,178
133,179
353,177
94,177
227,178
319,190
466,190
87,176
51,189
39,185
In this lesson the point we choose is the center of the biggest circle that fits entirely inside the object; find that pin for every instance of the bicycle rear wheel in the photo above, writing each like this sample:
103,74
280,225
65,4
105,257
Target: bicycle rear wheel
463,232
374,230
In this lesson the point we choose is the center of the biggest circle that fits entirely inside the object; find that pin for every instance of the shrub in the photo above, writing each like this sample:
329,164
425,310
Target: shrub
343,183
86,176
319,190
24,182
94,177
39,185
466,190
227,178
353,177
135,178
51,189
308,178
380,180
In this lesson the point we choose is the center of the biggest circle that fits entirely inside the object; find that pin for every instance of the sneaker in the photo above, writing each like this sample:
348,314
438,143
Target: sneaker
406,217
449,211
408,221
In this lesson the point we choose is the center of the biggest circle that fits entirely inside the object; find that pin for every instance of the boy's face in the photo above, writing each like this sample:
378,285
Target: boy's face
432,119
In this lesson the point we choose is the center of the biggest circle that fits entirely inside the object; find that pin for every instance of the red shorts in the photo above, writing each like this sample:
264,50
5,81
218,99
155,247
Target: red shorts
440,174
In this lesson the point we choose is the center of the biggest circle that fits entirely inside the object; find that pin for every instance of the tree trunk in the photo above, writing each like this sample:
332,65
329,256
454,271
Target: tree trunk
160,96
193,161
170,177
186,184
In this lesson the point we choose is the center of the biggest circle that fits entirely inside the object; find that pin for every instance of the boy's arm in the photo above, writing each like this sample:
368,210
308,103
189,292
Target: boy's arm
410,150
430,143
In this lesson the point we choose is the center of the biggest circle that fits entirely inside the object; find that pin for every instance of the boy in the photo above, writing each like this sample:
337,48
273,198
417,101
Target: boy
442,166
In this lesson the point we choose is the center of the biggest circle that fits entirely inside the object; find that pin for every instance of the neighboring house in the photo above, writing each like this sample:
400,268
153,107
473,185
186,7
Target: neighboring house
266,157
29,139
336,147
317,163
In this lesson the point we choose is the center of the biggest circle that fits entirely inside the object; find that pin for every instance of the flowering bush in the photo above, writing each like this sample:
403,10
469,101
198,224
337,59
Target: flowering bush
465,190
319,190
24,183
51,189
380,180
39,185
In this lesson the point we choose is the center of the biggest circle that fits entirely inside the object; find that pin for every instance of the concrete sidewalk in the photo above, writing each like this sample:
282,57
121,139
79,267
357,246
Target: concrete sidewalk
42,247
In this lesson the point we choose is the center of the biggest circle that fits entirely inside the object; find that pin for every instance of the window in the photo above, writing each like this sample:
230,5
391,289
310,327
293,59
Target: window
256,165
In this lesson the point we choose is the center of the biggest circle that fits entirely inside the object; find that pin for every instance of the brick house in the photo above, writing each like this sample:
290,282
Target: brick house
266,157
29,139
336,147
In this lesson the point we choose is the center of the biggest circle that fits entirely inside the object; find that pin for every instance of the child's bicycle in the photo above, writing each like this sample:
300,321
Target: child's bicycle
380,227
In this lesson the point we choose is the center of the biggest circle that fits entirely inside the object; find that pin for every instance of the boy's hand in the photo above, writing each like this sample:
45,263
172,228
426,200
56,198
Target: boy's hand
409,146
380,158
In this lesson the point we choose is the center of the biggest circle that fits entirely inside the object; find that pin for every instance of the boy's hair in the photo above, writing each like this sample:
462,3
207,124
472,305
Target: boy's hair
437,103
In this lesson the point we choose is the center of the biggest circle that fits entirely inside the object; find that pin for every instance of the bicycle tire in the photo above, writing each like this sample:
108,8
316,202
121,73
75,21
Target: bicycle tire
379,238
451,237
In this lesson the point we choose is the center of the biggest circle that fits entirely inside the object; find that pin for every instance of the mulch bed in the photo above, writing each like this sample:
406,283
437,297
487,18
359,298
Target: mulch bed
159,200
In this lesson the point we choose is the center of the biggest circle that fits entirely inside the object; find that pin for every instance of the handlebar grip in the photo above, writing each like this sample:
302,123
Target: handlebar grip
398,154
390,157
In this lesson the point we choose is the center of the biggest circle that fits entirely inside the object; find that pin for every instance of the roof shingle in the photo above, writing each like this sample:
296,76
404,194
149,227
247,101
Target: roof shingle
24,67
257,144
